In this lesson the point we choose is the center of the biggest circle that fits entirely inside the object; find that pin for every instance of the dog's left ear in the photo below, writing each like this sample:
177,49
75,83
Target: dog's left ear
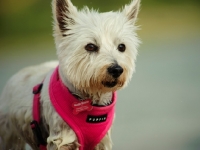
131,10
63,14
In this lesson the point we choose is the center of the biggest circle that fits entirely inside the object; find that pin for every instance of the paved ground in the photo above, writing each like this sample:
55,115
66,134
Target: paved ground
160,108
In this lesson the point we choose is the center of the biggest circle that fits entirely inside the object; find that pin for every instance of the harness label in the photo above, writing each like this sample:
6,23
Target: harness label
81,106
96,119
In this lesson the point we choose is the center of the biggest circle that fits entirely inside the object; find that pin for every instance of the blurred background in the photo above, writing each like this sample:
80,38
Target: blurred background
160,109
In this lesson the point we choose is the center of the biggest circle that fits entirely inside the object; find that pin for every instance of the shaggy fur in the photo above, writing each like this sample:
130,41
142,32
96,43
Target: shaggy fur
84,71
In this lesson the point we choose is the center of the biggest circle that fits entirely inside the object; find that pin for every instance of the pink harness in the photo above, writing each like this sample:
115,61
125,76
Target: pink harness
90,123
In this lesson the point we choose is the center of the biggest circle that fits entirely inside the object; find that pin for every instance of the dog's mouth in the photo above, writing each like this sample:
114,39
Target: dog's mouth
109,84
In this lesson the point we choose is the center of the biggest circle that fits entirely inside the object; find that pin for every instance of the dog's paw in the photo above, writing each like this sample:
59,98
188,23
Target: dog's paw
100,146
71,146
65,148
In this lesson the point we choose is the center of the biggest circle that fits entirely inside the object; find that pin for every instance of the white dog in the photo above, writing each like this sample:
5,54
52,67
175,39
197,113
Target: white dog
73,100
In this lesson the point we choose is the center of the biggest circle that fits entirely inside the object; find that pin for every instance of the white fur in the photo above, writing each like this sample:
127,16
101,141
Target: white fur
81,71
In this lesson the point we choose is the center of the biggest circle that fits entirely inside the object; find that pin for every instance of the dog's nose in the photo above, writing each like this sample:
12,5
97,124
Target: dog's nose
115,71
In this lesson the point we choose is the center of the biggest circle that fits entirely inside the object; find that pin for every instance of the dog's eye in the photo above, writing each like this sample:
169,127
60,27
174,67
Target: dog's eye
91,47
121,47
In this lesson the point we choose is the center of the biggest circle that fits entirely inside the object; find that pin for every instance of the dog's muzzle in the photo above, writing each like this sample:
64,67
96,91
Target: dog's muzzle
114,71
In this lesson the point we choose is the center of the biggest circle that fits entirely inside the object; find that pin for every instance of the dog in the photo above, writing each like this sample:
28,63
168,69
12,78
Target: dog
96,57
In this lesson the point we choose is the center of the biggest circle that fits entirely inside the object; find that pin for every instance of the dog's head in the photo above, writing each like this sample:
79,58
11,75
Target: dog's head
96,51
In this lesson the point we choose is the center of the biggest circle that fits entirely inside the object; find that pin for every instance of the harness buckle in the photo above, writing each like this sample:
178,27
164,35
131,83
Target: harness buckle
37,88
37,133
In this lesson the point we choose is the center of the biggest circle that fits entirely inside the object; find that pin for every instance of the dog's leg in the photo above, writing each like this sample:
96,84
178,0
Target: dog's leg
61,136
9,139
63,139
106,142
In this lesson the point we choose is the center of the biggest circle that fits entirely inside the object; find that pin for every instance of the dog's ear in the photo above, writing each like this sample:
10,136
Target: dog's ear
63,12
131,10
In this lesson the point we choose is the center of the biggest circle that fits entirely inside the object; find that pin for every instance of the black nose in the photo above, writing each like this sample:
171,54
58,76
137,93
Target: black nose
115,71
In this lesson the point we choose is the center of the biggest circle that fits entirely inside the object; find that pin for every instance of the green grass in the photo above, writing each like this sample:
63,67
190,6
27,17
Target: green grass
32,24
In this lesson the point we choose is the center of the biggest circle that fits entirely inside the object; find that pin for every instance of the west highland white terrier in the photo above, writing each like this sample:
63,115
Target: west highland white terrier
70,104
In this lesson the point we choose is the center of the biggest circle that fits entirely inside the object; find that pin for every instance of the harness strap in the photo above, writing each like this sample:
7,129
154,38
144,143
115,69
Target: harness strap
36,117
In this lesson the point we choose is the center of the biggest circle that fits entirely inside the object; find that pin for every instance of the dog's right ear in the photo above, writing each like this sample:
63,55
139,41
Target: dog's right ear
63,14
